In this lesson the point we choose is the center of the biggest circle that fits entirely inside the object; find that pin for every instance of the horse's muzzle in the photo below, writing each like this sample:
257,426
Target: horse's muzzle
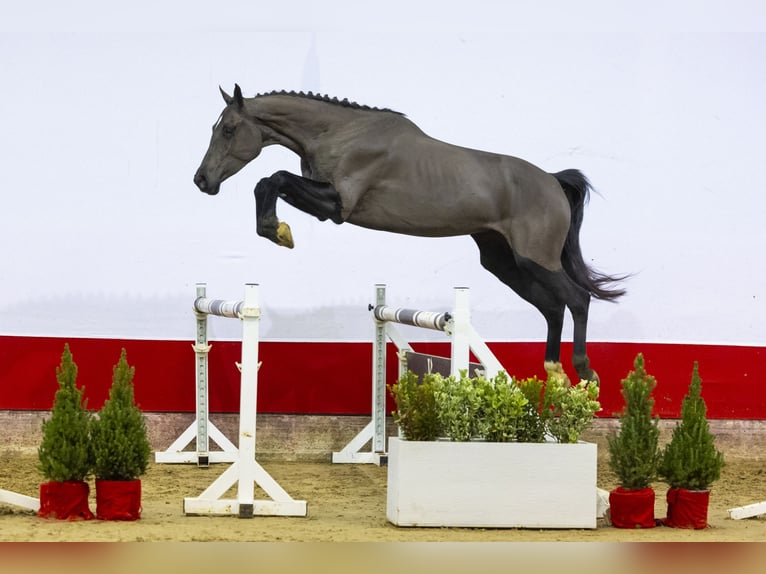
200,180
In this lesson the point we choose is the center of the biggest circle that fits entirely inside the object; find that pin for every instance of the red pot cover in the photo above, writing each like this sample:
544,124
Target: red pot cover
632,508
65,500
687,508
118,499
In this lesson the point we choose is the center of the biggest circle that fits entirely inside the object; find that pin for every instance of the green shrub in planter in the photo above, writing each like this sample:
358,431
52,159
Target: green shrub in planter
571,407
416,406
120,443
504,407
497,410
690,460
531,427
460,406
65,453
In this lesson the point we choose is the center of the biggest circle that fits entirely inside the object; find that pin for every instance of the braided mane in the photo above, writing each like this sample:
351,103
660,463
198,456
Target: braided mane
327,99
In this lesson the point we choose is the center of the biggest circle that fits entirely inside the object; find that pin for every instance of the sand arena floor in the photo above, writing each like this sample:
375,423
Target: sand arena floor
347,503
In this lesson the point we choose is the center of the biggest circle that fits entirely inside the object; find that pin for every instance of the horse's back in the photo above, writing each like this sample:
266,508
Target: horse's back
427,187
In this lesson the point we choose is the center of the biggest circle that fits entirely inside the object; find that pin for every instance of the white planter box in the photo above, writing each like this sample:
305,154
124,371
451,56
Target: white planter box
487,484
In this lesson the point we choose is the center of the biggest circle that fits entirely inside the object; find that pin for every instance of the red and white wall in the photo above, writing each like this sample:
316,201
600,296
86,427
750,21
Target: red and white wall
106,115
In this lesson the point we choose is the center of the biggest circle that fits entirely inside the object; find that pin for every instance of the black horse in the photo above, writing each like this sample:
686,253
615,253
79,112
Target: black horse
377,169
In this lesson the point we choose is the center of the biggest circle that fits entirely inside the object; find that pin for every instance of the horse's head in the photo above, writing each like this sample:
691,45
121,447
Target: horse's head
236,140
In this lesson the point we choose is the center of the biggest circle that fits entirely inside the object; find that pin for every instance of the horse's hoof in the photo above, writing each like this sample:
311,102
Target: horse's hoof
556,369
284,235
582,366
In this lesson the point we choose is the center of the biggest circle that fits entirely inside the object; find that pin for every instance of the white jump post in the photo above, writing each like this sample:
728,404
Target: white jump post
464,339
202,429
245,471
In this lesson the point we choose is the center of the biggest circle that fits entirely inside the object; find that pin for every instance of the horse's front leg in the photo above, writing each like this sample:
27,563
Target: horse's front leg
266,222
313,197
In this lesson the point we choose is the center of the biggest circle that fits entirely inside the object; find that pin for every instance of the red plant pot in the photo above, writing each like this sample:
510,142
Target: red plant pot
632,508
66,500
118,499
687,508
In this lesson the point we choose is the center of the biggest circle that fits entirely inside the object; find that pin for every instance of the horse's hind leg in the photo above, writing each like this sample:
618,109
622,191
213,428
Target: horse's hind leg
580,360
549,291
560,286
498,258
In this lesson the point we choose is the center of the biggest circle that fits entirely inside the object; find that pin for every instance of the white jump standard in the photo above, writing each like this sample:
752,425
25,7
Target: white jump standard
245,471
202,429
464,339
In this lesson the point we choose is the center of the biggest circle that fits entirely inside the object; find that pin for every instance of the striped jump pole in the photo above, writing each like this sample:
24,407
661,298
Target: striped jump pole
455,324
422,319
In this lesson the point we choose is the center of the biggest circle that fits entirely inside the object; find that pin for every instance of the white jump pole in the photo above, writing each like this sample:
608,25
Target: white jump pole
464,339
20,500
748,511
202,428
245,471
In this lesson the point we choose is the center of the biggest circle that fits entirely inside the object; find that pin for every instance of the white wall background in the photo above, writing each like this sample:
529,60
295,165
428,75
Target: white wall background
106,112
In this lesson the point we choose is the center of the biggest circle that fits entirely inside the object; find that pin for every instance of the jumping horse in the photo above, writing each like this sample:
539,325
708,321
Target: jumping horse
375,168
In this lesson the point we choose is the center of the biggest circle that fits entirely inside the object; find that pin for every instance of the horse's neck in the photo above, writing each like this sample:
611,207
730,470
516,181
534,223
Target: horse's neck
291,121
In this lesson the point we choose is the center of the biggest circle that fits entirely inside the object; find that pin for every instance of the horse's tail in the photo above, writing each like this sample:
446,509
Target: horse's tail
577,189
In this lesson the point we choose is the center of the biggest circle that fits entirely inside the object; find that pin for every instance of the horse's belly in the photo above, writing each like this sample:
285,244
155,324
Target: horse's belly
415,214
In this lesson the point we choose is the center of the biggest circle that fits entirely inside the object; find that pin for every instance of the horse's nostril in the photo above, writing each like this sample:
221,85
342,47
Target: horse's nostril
200,180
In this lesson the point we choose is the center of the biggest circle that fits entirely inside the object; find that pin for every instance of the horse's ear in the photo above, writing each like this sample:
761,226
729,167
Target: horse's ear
226,97
238,96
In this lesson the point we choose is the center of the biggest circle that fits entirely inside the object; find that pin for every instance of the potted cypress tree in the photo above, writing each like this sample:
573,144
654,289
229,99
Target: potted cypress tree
121,449
65,454
690,462
634,453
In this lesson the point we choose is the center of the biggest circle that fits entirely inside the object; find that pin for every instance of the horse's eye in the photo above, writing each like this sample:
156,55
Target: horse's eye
228,131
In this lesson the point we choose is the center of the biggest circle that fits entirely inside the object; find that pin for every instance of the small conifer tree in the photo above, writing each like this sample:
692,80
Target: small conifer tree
634,451
120,442
690,460
65,452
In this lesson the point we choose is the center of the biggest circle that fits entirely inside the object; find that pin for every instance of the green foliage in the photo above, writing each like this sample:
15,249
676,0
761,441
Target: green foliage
459,404
120,443
498,410
532,422
504,406
416,407
690,460
634,451
65,452
572,408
